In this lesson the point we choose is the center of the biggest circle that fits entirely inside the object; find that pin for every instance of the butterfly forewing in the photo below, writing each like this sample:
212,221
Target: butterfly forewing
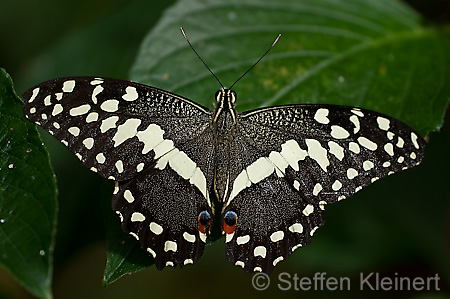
329,152
144,138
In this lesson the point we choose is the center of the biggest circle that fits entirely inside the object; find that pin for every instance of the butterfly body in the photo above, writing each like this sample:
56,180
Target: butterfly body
269,172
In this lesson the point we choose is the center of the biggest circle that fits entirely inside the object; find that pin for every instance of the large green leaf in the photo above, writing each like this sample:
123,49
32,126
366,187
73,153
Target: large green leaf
27,197
371,54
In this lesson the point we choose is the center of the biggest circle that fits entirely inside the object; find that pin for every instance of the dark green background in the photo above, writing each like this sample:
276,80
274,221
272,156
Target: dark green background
48,39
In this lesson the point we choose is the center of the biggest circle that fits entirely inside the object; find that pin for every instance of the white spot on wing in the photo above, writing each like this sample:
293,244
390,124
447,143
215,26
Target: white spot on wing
88,143
260,251
383,123
292,153
34,95
277,236
279,162
321,116
170,245
296,228
162,149
229,237
91,117
188,261
75,131
108,123
126,131
339,132
297,185
57,109
354,147
188,237
151,137
131,94
259,170
140,167
318,153
368,165
389,148
355,120
414,140
308,210
182,165
110,105
317,189
336,185
370,145
313,231
296,246
119,166
47,101
358,112
149,250
137,217
336,150
390,135
116,187
97,81
156,228
100,158
277,260
352,173
97,90
243,240
83,109
128,196
68,86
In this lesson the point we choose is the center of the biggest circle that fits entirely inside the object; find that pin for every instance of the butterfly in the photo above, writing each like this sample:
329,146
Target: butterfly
262,177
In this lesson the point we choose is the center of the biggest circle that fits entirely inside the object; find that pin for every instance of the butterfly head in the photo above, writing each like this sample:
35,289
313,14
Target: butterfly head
226,102
226,98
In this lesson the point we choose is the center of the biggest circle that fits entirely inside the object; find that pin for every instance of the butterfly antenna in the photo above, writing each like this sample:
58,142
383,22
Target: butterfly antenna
184,34
273,44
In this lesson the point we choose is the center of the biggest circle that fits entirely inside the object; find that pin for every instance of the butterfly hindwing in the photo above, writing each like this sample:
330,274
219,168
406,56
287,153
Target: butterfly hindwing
165,223
272,221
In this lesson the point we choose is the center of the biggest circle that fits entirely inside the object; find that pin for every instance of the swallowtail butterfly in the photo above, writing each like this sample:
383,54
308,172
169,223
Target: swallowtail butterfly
268,172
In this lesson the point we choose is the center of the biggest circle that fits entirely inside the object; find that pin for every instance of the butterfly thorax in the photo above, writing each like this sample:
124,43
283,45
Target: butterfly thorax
224,121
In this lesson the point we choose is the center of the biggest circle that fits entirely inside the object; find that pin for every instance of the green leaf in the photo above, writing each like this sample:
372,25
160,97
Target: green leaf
28,203
371,54
124,255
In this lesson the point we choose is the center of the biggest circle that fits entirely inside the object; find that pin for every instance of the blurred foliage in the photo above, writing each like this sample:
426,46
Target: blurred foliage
384,228
28,204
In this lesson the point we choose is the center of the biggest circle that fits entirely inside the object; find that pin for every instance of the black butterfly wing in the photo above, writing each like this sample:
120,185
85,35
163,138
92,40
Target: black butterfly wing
304,157
126,131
